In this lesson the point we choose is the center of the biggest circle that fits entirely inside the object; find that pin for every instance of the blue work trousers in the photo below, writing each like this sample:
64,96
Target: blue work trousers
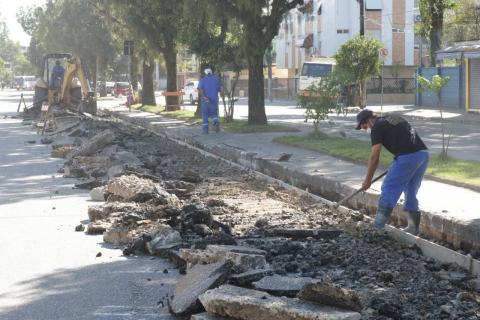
404,175
209,108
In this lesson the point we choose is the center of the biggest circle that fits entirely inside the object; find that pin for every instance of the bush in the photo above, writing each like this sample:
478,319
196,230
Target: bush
318,100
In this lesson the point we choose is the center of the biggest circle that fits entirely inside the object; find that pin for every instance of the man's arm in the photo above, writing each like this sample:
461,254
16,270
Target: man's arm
372,165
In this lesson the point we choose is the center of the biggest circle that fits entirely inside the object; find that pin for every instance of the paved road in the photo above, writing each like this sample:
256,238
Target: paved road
48,271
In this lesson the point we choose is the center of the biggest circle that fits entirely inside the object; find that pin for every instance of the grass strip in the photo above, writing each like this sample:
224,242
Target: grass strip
241,126
464,171
236,126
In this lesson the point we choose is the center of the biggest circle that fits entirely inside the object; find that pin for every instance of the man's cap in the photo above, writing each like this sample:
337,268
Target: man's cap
208,71
362,116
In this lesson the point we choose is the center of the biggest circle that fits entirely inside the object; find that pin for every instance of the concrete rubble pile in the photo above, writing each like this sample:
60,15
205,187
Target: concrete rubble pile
249,249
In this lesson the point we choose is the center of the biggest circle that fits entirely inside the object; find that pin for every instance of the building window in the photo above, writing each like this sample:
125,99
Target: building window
396,30
319,12
343,31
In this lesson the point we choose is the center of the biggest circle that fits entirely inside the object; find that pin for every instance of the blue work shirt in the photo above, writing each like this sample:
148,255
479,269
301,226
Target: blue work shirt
211,85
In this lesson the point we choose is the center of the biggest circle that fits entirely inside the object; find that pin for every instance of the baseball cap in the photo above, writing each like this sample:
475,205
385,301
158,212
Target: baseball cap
362,116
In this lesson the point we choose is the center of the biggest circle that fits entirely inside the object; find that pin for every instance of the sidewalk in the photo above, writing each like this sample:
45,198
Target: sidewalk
450,212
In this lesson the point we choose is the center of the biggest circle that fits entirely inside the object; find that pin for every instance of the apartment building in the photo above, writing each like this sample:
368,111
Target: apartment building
320,27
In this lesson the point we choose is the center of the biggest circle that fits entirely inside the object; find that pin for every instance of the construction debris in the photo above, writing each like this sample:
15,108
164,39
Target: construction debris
220,224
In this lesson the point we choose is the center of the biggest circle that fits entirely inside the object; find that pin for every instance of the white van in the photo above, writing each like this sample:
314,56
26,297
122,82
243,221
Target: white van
314,71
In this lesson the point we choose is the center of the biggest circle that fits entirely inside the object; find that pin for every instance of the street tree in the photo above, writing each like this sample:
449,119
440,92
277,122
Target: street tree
215,39
431,27
435,85
260,21
359,59
69,26
13,60
462,23
156,22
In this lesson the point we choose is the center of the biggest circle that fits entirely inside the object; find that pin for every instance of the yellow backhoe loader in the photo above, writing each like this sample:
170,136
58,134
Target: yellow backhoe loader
71,90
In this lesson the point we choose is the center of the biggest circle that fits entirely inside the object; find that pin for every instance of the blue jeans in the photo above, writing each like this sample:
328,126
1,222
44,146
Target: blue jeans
209,108
404,175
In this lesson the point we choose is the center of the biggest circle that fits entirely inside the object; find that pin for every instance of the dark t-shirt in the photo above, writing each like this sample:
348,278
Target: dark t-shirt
396,135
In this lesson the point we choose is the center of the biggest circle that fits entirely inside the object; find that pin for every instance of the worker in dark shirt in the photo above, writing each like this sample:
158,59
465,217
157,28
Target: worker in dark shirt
406,171
57,74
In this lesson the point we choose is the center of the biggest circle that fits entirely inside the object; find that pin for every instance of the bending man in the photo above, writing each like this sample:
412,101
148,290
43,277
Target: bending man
406,171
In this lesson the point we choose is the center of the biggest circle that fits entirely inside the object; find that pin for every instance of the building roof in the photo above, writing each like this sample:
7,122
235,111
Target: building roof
468,49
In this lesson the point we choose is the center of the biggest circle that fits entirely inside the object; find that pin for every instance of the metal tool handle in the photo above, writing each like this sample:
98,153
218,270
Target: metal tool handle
359,190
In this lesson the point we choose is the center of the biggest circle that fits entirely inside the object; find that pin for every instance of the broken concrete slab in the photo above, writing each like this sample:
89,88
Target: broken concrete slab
246,278
103,211
198,256
128,186
199,279
305,233
117,234
245,262
94,144
207,316
242,261
97,227
241,303
237,249
171,253
164,235
98,194
282,285
326,293
61,151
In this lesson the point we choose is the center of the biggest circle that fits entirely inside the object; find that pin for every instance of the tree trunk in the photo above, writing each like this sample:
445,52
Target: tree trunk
256,94
148,94
134,71
171,64
269,58
198,110
436,35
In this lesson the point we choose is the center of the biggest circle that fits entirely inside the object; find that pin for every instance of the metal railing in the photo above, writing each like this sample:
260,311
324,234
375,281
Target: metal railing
391,85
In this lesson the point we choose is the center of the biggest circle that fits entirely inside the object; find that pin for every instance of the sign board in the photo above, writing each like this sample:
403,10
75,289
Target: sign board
383,52
128,47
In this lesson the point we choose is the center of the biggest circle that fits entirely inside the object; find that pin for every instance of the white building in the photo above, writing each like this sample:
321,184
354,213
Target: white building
322,26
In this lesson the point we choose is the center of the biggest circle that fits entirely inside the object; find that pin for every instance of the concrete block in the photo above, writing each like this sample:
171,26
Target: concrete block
282,286
241,303
327,293
246,278
198,279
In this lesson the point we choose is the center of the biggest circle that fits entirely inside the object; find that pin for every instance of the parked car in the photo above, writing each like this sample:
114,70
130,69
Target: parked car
121,89
190,92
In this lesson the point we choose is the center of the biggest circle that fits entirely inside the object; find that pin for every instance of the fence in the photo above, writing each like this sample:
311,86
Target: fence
282,88
451,94
391,85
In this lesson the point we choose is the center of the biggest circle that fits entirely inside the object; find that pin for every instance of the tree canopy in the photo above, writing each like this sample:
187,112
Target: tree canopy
432,12
359,59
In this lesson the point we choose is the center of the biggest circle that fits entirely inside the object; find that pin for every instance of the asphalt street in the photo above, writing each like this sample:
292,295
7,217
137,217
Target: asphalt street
49,271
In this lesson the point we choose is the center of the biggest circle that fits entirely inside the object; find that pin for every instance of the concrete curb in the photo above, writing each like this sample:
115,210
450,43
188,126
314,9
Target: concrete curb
319,187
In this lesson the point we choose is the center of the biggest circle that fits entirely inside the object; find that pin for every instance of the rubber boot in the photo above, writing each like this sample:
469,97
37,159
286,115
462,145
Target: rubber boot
413,219
383,213
216,126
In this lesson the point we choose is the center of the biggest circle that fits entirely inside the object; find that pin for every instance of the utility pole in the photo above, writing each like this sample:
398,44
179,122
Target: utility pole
362,17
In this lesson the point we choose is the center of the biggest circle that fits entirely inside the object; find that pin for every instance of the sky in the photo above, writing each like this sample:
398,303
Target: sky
8,10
